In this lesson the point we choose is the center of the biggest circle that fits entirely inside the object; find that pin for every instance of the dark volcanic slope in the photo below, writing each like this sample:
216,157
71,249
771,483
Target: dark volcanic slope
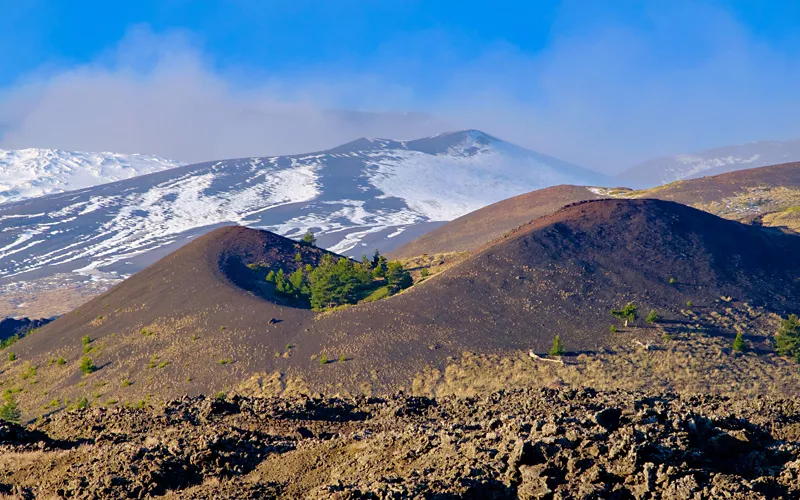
481,226
477,228
558,275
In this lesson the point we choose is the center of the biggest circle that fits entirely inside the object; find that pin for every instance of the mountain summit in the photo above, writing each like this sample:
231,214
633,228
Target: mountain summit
370,193
710,162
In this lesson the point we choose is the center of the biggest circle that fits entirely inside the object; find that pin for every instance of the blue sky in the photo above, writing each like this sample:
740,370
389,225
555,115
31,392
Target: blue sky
604,84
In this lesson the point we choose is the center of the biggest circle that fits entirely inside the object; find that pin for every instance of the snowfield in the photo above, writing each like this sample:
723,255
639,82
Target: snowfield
28,173
363,195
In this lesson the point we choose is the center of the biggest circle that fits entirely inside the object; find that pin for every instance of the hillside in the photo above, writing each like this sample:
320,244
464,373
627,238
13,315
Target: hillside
745,195
474,229
710,162
29,173
184,325
371,193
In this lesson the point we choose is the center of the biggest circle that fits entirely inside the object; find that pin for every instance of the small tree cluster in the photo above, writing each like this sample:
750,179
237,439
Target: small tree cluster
787,339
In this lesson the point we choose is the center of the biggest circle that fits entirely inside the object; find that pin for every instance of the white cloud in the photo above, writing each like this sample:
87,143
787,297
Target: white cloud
605,96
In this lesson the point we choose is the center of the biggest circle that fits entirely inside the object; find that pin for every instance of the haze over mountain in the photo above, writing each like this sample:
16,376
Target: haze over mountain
28,173
365,194
710,162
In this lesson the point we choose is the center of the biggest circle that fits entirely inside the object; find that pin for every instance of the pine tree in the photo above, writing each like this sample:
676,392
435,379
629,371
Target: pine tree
380,267
739,344
558,347
10,410
308,239
396,277
787,339
282,285
376,258
271,276
627,313
299,283
298,257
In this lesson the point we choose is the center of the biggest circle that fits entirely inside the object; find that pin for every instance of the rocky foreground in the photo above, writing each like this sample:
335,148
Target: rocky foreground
536,443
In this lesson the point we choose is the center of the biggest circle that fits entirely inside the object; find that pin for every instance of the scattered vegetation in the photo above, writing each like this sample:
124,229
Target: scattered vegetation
652,317
558,347
225,361
425,272
87,365
323,359
12,356
220,395
342,358
787,339
147,333
613,329
126,383
61,361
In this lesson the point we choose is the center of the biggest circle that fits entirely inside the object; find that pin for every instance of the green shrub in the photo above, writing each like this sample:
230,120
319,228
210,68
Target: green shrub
323,360
652,317
787,338
425,272
298,257
342,358
613,329
54,403
688,303
220,395
672,281
126,383
85,340
739,343
558,347
87,365
61,361
12,356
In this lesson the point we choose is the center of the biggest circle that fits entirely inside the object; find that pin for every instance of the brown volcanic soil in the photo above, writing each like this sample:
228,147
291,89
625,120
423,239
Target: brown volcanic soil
557,275
718,187
717,194
507,445
486,224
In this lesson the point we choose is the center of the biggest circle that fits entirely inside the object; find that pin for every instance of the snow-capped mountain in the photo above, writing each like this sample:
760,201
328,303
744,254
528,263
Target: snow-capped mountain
28,173
370,193
710,162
